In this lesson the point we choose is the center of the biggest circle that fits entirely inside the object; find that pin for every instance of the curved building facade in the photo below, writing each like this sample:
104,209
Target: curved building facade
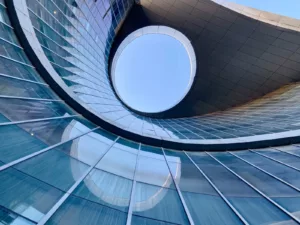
72,152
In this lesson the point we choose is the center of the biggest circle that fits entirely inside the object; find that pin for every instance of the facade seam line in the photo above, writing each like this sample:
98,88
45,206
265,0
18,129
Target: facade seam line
10,164
257,190
18,78
38,120
129,214
275,160
186,209
289,153
244,221
266,172
35,99
74,186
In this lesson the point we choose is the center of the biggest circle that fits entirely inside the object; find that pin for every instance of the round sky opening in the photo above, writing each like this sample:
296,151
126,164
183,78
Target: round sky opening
153,69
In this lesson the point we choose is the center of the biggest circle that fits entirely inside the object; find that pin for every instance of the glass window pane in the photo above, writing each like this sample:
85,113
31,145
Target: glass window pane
78,211
209,209
190,179
158,203
153,171
13,110
290,148
281,157
106,189
247,201
139,220
204,203
89,148
119,162
9,218
19,88
15,69
127,145
152,152
20,140
285,173
176,156
55,168
25,195
281,193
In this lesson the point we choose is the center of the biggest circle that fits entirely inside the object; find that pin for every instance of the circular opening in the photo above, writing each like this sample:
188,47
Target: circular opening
153,69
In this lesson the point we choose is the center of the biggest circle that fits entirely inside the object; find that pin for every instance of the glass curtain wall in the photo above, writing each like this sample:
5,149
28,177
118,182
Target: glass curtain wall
77,35
58,168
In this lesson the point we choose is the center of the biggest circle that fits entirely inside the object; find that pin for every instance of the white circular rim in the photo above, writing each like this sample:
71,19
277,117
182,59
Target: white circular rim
157,30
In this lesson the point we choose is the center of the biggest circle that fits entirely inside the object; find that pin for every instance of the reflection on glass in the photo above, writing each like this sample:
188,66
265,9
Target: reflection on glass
9,218
20,140
78,211
283,172
138,220
281,157
89,148
64,172
246,200
152,152
153,171
203,202
13,110
106,189
13,87
119,162
158,203
281,193
127,145
25,195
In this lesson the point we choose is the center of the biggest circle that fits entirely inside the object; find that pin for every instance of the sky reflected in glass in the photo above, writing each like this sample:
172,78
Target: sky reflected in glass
153,73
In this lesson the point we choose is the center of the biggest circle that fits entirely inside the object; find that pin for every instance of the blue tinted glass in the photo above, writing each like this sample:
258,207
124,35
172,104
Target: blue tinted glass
152,152
291,148
245,199
106,189
281,193
158,203
285,173
13,87
63,175
176,156
204,203
281,157
9,218
25,195
90,147
209,209
153,171
21,109
139,220
118,162
20,140
78,211
127,145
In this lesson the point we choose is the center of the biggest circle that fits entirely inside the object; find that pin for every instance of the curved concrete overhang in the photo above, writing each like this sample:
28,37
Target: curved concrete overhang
242,53
21,22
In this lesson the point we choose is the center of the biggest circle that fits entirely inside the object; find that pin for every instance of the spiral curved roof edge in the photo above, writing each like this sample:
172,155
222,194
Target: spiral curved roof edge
24,29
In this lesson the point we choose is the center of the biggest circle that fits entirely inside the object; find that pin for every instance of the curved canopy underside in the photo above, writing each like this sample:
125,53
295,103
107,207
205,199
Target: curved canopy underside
242,53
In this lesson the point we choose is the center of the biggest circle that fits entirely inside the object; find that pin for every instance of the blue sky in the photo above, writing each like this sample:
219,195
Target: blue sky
152,72
289,8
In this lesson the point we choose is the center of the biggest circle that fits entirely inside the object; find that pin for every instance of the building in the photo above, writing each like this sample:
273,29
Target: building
72,153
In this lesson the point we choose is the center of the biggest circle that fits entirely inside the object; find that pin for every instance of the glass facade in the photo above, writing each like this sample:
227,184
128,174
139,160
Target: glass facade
56,167
77,35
